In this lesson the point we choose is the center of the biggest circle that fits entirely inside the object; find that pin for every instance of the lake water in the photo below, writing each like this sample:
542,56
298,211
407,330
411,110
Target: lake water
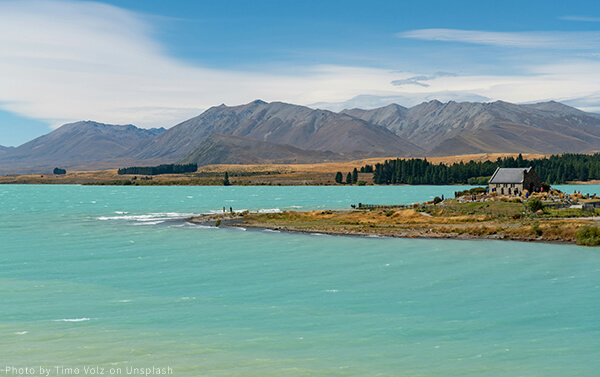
113,278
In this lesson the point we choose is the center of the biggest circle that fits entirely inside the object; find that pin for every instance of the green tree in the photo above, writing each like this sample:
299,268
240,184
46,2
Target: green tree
338,177
349,178
226,180
354,176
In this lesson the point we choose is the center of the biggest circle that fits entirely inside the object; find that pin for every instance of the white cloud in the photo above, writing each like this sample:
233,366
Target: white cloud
67,61
418,80
575,40
64,61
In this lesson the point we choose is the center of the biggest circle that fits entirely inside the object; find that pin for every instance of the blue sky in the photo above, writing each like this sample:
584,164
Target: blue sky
156,63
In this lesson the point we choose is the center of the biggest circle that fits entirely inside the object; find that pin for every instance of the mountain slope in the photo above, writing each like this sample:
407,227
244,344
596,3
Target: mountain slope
458,128
284,124
78,143
5,150
224,149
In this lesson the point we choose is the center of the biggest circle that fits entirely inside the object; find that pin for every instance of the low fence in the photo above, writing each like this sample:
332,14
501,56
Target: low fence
381,206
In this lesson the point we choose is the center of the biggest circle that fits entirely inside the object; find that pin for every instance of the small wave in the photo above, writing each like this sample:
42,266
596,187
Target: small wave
296,206
121,212
151,222
269,210
21,332
151,217
331,290
272,230
123,300
72,320
193,225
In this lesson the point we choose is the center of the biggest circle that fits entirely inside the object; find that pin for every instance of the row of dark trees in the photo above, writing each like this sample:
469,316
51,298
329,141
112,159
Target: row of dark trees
351,177
160,169
555,169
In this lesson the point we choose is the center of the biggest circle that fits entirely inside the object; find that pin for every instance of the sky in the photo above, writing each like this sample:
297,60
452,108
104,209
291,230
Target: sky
156,63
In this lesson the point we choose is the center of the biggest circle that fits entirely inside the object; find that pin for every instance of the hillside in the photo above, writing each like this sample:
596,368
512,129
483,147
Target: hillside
260,132
77,144
5,150
281,123
223,149
462,128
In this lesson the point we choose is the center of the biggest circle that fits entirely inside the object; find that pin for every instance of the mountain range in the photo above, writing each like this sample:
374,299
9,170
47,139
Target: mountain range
260,132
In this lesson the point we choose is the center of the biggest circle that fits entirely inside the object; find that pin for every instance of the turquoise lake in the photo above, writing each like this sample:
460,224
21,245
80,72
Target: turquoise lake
114,278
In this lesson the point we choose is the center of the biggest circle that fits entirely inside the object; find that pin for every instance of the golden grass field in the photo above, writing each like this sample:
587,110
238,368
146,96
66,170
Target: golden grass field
275,174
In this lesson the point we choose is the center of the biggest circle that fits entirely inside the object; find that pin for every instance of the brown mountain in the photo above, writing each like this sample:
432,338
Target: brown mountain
262,132
226,149
281,123
461,128
85,145
5,150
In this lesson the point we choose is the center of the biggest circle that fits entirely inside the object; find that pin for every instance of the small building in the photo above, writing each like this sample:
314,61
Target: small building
512,181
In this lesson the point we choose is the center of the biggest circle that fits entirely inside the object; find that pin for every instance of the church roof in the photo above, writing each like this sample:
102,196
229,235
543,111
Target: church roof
509,175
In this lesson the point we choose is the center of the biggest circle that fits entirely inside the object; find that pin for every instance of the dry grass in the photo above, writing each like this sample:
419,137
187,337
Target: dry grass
458,220
264,174
332,167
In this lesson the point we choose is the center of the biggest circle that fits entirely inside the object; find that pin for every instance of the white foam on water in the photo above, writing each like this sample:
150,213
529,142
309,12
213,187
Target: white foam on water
21,332
72,320
272,230
154,218
269,210
150,223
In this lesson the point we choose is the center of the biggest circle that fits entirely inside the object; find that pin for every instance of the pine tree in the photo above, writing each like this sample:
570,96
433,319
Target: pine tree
349,178
338,177
354,176
226,180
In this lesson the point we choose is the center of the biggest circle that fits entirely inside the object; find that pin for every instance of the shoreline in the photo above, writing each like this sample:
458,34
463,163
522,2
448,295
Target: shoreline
406,223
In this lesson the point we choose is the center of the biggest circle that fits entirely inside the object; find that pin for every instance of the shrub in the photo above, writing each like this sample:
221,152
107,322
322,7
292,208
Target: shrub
535,204
588,236
218,223
361,183
437,200
535,228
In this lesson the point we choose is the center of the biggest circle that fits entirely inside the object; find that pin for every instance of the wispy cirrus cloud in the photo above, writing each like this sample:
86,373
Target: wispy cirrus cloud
418,80
64,61
568,40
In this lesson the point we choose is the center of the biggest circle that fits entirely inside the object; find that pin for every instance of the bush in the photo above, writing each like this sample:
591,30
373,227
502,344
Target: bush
361,183
535,204
588,236
437,200
535,228
59,171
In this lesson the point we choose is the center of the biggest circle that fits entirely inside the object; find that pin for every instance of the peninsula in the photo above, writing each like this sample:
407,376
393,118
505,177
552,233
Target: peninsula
543,217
